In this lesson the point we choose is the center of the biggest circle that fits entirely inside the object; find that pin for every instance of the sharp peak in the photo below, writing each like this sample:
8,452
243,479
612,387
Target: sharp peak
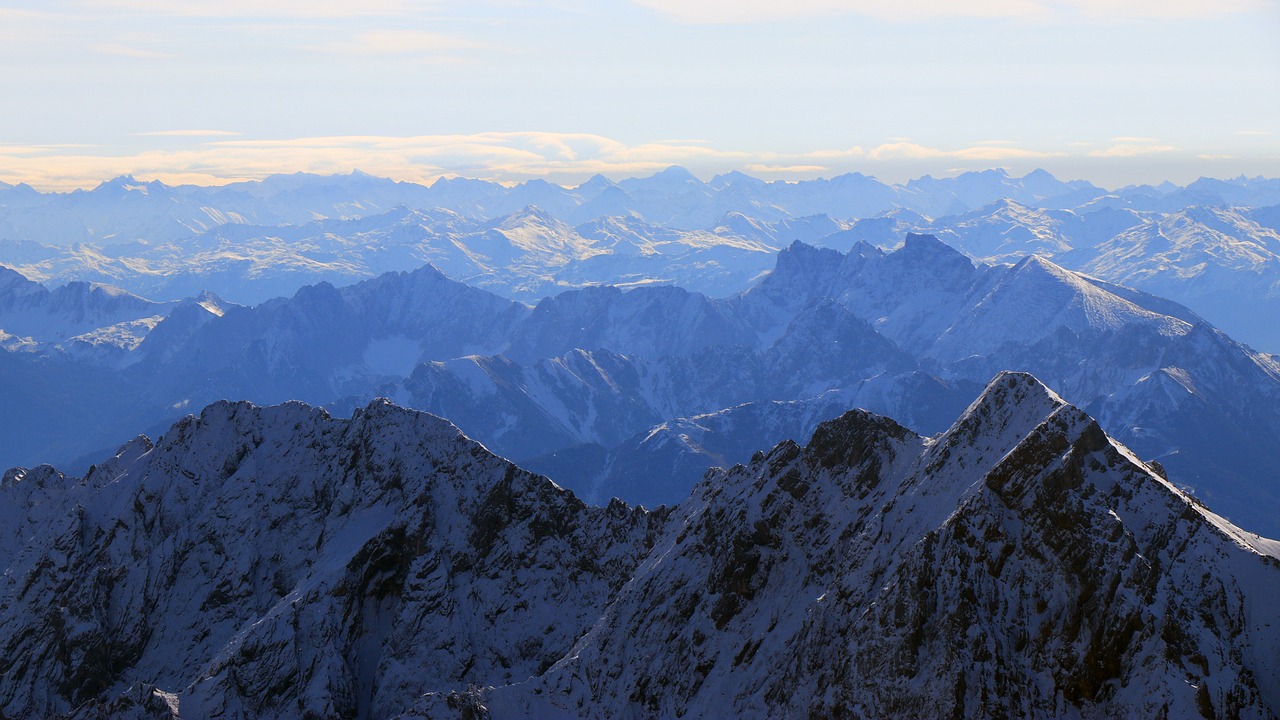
1020,382
676,171
383,407
927,243
848,440
1039,263
735,176
800,249
1009,408
922,240
379,410
528,215
122,180
1005,202
531,210
596,180
899,211
14,274
862,248
989,172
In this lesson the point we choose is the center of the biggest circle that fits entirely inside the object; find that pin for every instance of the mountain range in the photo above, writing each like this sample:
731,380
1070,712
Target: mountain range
585,377
282,562
1211,245
980,446
126,209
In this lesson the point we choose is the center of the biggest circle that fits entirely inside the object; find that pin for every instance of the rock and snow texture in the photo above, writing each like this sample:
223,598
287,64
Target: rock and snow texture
1157,377
1217,261
526,255
1022,564
599,366
78,311
253,241
277,562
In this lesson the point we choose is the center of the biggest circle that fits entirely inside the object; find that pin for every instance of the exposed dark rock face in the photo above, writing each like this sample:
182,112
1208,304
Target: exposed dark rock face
276,562
1019,565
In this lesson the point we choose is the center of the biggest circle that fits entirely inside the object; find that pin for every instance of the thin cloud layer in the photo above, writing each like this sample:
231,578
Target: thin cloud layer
187,133
1142,146
128,51
752,11
264,8
511,157
985,151
399,43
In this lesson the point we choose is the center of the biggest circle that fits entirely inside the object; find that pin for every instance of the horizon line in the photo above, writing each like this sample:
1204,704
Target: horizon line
90,185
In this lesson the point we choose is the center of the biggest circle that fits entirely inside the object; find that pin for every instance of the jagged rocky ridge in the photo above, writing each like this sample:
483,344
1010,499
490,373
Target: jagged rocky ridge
602,366
252,241
1021,564
267,561
277,562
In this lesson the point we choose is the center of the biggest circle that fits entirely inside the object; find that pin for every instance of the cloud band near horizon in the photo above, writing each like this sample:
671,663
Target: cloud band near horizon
570,158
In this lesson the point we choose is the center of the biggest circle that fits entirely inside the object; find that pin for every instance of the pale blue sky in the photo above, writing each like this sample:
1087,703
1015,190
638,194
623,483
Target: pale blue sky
1116,91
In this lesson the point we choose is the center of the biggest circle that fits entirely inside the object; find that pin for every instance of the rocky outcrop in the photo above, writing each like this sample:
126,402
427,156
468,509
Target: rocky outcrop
276,562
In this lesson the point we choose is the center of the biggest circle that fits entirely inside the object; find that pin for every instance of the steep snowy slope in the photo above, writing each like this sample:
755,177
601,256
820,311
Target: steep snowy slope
1217,261
648,321
317,343
253,263
29,309
522,411
1003,231
526,255
971,190
1022,564
780,233
126,209
1097,344
602,397
659,465
276,562
1155,375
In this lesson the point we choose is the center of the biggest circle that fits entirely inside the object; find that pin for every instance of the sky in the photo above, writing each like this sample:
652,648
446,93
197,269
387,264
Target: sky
212,91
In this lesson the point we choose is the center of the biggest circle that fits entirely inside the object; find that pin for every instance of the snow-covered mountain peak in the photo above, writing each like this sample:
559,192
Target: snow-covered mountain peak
735,177
14,283
212,303
276,561
1101,309
530,214
1036,298
326,559
802,261
1009,409
927,248
868,570
676,174
1013,392
532,232
906,216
